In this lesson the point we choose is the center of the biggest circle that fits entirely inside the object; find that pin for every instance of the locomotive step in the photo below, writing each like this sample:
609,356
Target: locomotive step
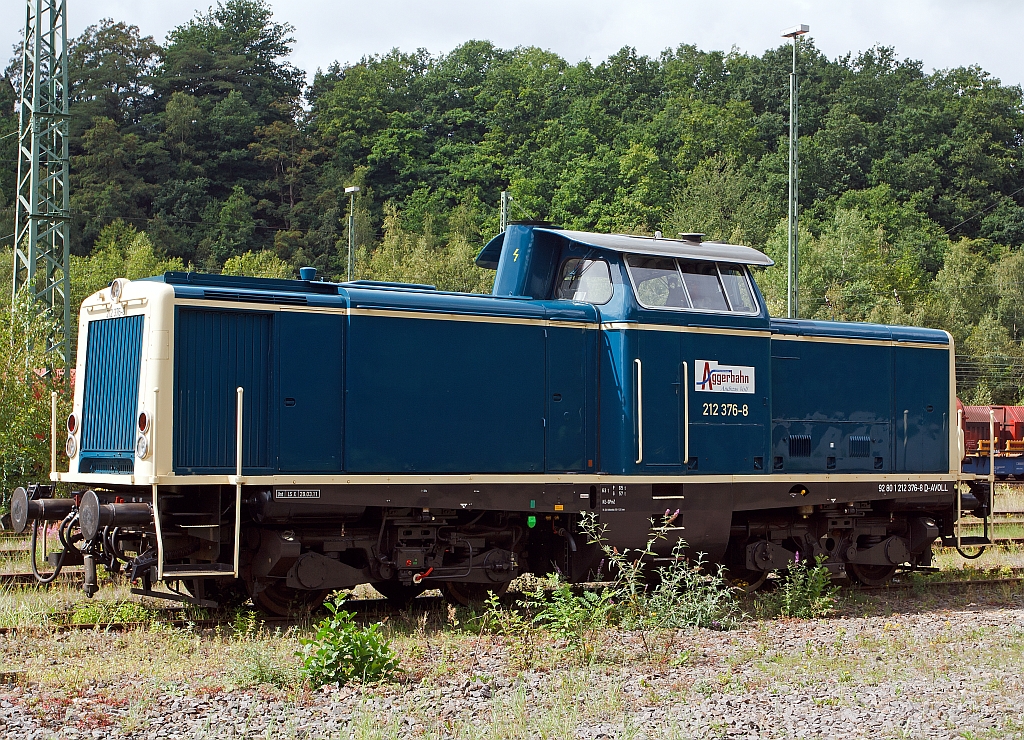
194,569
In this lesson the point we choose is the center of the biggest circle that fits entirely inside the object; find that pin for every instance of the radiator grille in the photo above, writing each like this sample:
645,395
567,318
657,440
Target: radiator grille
110,400
860,446
799,445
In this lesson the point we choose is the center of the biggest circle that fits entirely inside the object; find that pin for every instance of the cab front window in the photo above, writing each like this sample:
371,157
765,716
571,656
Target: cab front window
585,280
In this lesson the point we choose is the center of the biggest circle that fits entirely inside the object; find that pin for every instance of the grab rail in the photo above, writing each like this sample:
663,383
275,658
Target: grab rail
686,415
238,479
639,411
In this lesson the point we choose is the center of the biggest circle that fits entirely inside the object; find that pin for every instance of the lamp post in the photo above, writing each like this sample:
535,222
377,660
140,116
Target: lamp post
794,235
351,193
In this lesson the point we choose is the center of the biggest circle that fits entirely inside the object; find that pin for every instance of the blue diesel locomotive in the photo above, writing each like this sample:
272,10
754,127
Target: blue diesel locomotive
282,438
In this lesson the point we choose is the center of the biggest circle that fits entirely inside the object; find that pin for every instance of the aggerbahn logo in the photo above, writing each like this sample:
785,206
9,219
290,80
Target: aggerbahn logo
710,376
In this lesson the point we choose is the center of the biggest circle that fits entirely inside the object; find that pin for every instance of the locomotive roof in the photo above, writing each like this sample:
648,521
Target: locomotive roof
646,245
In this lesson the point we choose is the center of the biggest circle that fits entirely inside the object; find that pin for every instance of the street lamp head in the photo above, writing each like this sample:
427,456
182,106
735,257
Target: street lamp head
352,189
792,33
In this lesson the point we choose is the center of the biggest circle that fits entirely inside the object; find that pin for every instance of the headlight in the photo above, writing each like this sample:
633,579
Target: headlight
116,287
71,448
141,447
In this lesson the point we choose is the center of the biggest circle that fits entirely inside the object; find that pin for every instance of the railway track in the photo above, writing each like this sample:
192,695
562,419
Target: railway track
381,607
19,579
951,584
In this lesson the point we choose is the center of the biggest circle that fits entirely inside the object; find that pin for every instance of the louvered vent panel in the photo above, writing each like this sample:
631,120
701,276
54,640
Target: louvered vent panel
860,446
799,445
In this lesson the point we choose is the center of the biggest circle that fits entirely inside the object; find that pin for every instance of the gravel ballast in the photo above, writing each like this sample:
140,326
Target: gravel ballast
900,667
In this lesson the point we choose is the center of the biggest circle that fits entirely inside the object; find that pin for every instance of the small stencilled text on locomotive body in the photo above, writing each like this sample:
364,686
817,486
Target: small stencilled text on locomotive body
710,376
913,487
293,493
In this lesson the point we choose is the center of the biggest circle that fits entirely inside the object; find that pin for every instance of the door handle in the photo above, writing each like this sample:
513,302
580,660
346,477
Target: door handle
906,415
639,411
686,414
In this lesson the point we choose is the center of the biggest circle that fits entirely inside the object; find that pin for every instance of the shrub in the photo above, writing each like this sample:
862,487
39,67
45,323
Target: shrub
806,592
687,594
575,618
684,594
342,651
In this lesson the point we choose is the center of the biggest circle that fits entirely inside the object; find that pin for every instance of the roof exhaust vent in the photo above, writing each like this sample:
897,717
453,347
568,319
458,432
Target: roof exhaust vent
307,273
691,237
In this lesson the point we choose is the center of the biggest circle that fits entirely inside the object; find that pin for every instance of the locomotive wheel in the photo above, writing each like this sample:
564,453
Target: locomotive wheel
870,575
280,601
398,594
749,581
471,594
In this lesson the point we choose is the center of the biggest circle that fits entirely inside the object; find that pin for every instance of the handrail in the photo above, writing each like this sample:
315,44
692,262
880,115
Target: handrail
238,479
639,411
959,468
991,466
53,436
686,415
153,424
906,431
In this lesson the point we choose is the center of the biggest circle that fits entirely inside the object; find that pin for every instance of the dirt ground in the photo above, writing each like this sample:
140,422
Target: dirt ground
917,663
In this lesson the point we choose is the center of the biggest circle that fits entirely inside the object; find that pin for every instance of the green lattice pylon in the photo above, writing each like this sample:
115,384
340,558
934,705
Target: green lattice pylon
42,212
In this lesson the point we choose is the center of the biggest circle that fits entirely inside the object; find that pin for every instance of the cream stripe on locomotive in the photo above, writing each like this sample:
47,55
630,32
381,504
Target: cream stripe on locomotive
525,478
607,326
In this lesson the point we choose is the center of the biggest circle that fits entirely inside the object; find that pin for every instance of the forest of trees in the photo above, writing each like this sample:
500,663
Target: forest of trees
210,150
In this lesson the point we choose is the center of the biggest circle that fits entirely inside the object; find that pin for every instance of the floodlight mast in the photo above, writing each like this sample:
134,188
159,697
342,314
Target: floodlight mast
351,192
793,268
42,204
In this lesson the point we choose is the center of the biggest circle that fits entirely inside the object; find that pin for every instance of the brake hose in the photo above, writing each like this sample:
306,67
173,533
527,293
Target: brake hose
63,553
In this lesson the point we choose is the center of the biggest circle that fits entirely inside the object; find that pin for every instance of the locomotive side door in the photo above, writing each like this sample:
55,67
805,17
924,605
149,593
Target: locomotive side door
570,355
659,380
310,395
922,406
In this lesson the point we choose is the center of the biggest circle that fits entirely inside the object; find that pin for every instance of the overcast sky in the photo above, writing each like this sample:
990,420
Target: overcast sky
941,33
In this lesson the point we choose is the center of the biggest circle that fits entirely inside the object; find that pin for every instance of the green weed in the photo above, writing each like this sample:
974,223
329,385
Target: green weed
342,651
684,593
575,618
112,612
516,625
806,592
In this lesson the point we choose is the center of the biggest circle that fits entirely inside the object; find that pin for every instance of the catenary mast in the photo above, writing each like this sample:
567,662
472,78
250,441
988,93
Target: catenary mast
42,212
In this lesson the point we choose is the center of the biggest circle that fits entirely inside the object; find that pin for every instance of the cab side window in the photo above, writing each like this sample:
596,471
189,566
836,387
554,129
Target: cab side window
665,282
703,285
737,288
657,281
585,280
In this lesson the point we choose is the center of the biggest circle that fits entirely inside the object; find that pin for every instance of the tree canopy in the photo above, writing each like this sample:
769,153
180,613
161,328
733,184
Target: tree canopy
214,150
